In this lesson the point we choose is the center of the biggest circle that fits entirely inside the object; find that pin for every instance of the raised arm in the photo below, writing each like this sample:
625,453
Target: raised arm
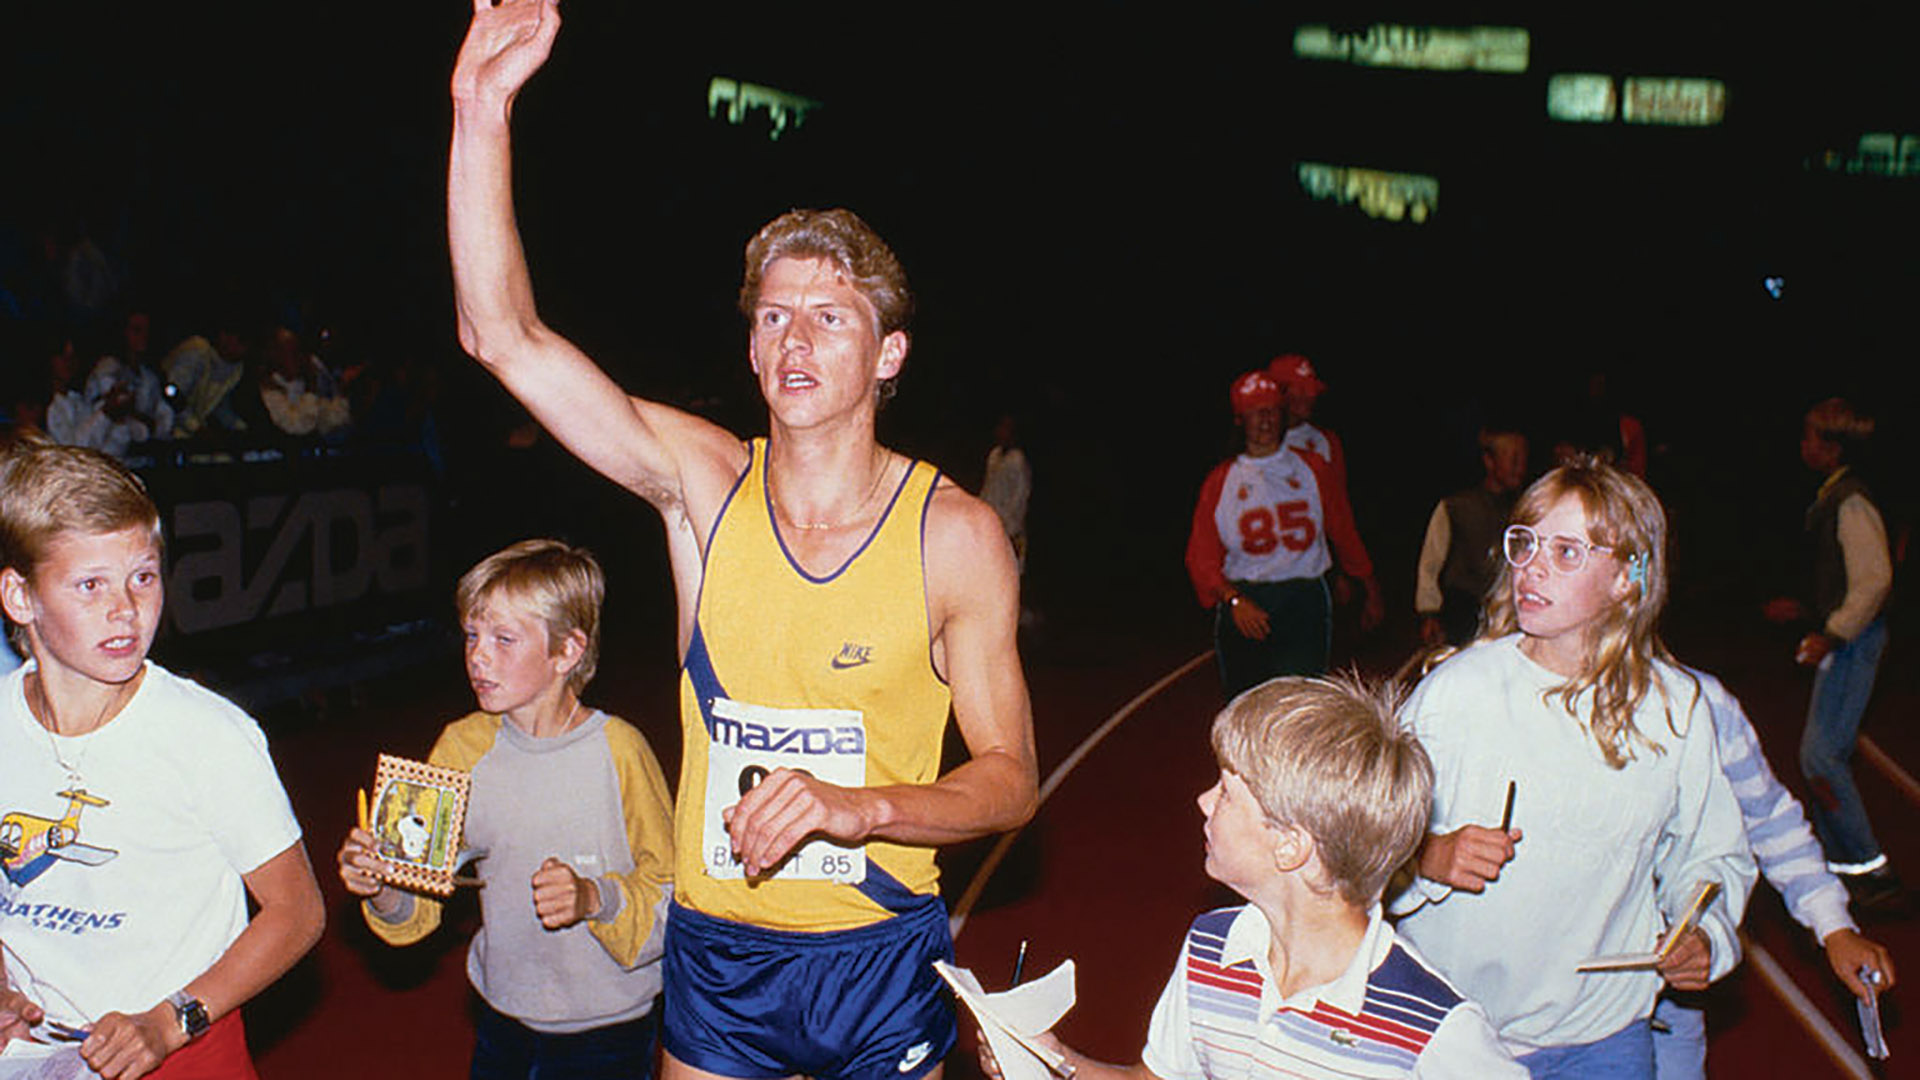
974,595
655,451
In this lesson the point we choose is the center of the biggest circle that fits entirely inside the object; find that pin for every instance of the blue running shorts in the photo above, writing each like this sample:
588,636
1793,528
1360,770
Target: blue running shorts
861,1004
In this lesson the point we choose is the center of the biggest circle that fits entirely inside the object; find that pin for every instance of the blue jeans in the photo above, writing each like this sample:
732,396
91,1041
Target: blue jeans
506,1049
1626,1054
1840,693
1680,1052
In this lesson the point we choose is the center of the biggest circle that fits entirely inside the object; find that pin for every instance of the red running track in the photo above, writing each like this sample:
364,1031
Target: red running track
1109,873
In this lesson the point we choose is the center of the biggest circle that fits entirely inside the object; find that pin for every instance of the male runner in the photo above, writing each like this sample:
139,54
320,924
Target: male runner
833,596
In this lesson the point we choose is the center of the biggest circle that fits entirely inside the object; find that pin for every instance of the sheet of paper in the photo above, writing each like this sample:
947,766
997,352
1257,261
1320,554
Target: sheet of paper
1641,961
37,1061
1010,1019
1703,895
1868,1009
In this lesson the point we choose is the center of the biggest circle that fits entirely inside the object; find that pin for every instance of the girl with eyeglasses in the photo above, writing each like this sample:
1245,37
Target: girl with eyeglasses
1619,808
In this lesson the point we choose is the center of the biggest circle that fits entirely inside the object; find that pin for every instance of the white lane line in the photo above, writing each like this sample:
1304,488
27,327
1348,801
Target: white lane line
964,906
1901,778
1837,1046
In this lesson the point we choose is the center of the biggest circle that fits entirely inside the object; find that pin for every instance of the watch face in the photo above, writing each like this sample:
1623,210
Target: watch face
193,1014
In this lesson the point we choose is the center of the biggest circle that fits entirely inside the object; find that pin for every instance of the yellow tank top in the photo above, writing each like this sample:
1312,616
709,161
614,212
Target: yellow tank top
832,674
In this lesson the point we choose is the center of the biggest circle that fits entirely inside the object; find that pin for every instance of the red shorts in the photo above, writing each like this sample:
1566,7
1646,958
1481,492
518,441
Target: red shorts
220,1054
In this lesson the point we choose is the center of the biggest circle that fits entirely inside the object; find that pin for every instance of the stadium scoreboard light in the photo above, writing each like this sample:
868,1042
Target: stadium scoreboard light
1584,98
1379,194
1676,102
1501,49
740,98
1878,153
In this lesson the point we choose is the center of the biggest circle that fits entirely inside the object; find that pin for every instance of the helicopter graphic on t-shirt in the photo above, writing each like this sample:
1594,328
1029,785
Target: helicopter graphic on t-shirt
29,843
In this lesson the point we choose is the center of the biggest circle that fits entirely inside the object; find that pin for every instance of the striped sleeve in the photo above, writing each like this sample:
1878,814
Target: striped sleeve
1783,844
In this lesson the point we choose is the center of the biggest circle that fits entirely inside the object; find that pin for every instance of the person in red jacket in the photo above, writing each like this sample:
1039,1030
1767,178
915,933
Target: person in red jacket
1269,524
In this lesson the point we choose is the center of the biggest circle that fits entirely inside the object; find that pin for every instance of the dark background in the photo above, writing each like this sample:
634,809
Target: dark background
1099,209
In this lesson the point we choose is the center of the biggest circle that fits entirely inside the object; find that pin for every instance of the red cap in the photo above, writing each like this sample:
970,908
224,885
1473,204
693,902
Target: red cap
1254,390
1293,369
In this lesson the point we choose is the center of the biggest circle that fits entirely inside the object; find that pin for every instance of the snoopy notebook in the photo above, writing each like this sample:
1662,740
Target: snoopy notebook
418,813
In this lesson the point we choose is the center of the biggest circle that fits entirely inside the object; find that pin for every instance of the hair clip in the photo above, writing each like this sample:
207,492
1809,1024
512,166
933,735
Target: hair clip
1637,569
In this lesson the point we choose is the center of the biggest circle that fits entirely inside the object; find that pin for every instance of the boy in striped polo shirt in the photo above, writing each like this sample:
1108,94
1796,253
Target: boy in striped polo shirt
1322,794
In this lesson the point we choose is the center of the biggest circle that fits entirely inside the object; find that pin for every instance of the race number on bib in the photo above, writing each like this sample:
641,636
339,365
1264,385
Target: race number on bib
750,741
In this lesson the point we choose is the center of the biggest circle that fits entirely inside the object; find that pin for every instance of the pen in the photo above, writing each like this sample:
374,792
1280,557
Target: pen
53,1031
1506,816
1019,961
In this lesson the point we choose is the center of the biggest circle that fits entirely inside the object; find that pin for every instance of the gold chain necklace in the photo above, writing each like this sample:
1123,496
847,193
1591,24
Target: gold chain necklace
854,515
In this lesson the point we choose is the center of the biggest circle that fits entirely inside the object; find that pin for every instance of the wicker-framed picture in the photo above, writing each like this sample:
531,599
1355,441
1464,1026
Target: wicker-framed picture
419,811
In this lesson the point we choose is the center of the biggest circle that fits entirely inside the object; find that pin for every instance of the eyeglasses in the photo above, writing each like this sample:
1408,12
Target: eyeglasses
1567,553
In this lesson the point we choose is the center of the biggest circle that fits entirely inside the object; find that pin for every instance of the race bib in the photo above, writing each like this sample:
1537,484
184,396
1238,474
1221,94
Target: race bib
750,741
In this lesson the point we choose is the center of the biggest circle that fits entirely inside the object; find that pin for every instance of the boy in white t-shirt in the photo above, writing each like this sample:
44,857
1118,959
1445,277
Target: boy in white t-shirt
140,810
1322,794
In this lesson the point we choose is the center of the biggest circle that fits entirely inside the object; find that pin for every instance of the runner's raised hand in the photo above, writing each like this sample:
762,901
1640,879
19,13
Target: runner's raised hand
505,45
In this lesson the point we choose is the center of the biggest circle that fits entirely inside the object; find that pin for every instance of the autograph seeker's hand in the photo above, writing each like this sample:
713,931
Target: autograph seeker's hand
1248,617
1374,611
1848,952
17,1015
360,868
786,808
1468,857
505,45
562,897
1812,649
123,1047
990,1065
362,872
1689,963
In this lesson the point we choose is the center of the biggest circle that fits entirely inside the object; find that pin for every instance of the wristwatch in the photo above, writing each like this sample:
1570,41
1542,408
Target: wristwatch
192,1014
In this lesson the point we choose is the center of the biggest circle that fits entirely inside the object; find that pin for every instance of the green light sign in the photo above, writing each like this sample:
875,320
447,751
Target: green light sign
1674,102
1878,153
1580,98
1379,194
740,98
1501,49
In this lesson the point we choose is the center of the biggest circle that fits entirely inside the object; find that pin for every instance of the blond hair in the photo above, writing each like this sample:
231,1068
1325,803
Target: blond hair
1624,515
1330,757
840,237
561,585
47,489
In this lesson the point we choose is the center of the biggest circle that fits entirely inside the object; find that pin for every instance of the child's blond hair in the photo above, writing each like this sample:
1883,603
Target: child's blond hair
47,490
1330,757
562,585
1624,515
